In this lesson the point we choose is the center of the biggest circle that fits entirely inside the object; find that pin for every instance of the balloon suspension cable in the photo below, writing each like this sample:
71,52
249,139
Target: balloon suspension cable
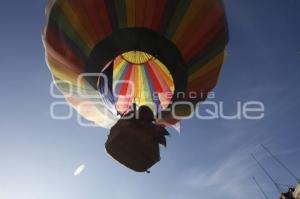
157,110
281,163
267,173
260,188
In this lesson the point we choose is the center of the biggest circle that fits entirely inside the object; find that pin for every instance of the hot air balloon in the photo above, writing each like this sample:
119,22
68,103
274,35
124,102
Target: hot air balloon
106,55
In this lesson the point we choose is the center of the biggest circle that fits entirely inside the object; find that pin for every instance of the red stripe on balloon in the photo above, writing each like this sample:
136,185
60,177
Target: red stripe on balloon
154,79
94,17
98,16
157,18
103,15
149,13
61,51
124,86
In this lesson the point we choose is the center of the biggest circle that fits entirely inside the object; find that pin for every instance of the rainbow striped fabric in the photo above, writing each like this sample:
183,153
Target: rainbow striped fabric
197,28
145,81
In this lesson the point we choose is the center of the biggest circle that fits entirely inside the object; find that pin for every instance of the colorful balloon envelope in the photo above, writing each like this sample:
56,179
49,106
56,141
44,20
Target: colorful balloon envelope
105,55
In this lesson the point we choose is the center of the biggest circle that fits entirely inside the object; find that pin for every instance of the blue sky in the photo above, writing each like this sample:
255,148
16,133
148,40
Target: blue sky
208,159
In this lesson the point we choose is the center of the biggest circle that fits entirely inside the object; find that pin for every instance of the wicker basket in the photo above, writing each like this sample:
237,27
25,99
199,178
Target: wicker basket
133,145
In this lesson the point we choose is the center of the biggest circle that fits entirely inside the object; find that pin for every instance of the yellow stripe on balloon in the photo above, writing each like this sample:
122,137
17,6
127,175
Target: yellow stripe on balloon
145,90
61,72
118,69
91,112
136,57
211,65
195,9
137,82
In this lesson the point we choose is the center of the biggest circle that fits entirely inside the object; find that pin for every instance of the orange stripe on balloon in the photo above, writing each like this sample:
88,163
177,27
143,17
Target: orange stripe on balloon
204,84
192,18
60,71
140,11
205,34
216,62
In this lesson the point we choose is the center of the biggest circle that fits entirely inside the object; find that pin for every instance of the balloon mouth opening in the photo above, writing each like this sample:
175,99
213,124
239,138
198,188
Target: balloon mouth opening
137,65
